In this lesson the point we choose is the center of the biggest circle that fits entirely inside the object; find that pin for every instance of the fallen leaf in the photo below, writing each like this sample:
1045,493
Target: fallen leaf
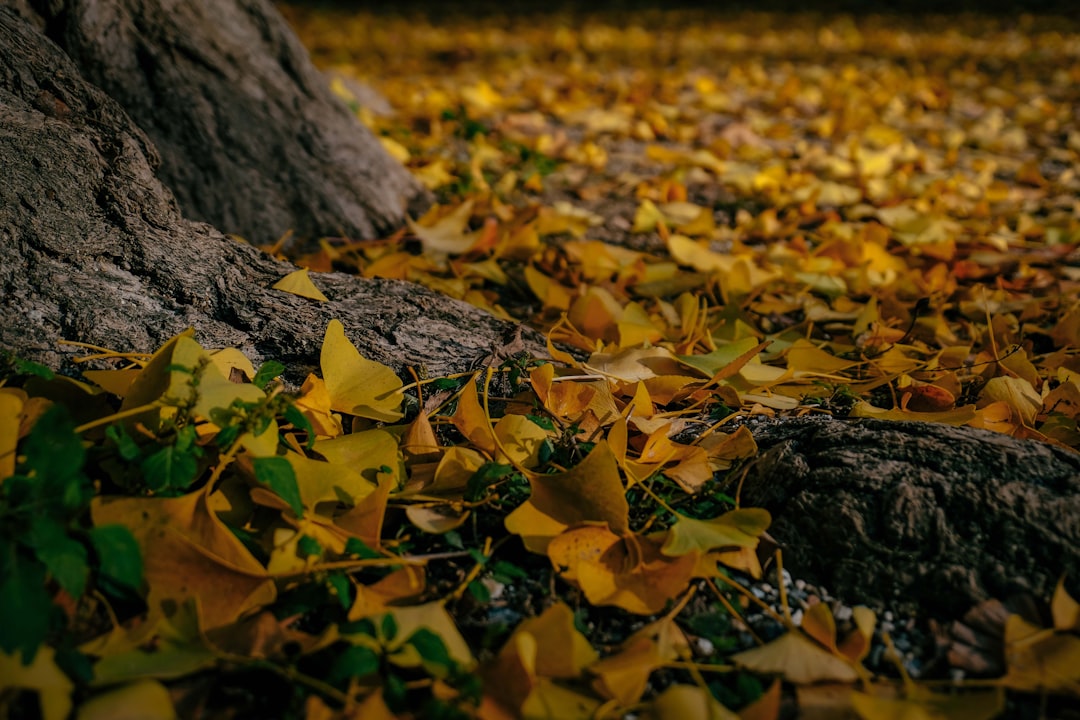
798,659
591,491
737,528
42,675
298,282
356,385
627,571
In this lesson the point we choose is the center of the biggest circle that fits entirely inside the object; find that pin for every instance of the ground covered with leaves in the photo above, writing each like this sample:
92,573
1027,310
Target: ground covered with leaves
711,219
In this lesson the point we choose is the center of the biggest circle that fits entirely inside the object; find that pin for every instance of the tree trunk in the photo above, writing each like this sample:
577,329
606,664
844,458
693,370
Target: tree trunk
93,248
920,517
250,137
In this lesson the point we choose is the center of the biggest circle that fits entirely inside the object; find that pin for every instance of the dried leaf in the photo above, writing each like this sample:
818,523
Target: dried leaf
798,659
298,282
736,528
592,491
627,571
358,386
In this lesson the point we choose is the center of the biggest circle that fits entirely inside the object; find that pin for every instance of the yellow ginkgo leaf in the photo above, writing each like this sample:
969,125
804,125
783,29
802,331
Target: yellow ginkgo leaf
624,675
437,519
471,420
42,675
591,491
314,403
432,616
298,282
1040,658
188,553
11,405
1024,400
647,217
452,474
561,650
819,624
921,704
141,700
798,659
720,358
688,701
737,528
520,439
448,234
1064,609
230,359
627,571
634,364
725,449
367,453
334,482
547,290
116,382
358,386
596,314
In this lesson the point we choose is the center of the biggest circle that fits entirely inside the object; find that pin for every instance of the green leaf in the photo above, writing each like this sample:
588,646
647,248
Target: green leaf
227,436
388,628
278,475
64,557
267,372
488,474
55,454
300,421
544,422
169,469
28,367
395,693
125,444
342,588
119,560
433,652
24,604
507,572
479,591
356,546
355,661
308,546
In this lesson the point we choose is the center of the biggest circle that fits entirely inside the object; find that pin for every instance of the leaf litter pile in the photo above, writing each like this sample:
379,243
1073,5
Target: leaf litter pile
710,218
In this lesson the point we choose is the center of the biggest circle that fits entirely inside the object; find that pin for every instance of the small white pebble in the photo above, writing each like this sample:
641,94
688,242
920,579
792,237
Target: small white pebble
796,617
956,675
888,616
887,627
758,593
800,584
842,613
766,588
787,577
705,646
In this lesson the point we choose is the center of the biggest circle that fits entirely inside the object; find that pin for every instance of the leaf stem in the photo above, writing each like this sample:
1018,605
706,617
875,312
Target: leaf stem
130,412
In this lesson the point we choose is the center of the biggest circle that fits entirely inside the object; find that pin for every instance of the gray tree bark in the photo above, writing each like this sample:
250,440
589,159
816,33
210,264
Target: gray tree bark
249,135
93,248
926,518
